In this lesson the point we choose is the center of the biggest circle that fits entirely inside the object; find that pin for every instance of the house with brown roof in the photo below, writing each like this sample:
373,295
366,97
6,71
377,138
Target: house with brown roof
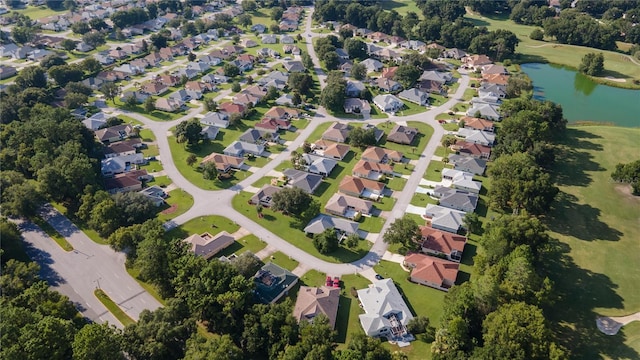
401,134
207,245
168,80
348,206
437,242
154,88
371,170
492,69
264,196
389,73
114,133
198,86
331,149
224,163
388,85
497,79
337,132
231,108
281,113
431,271
471,149
313,301
380,155
476,62
245,99
378,36
478,124
273,125
169,105
360,187
118,149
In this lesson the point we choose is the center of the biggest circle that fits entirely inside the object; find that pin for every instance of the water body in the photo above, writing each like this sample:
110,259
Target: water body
583,99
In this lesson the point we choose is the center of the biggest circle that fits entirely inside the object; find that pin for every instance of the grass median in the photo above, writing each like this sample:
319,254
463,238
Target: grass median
59,239
113,308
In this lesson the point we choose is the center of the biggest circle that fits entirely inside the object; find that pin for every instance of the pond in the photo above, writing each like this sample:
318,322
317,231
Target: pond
583,99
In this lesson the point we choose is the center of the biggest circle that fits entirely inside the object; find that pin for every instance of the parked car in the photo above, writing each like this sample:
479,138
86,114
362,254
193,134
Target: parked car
336,282
379,277
329,281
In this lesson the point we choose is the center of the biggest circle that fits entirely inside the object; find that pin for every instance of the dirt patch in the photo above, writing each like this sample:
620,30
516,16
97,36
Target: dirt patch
170,210
625,190
611,78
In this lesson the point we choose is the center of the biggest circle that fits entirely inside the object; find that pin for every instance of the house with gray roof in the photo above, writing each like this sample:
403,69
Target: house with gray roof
477,136
468,164
303,180
257,136
386,314
207,245
388,103
354,88
372,65
377,133
210,132
272,283
349,207
415,96
486,111
456,199
319,165
216,119
240,148
437,76
443,218
294,66
496,90
461,180
401,134
264,196
324,222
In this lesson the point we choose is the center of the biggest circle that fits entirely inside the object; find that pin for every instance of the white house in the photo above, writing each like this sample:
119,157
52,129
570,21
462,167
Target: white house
388,103
386,313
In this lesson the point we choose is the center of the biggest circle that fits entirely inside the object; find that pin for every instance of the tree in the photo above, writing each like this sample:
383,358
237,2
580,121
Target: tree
135,208
331,60
628,173
149,104
247,264
407,75
32,76
301,82
403,231
98,24
293,201
276,13
358,71
536,34
326,242
244,20
130,101
191,159
110,90
74,100
249,5
272,93
97,341
63,74
274,28
269,329
345,33
306,147
20,197
69,5
23,34
352,240
419,325
68,44
189,131
235,87
94,38
223,348
362,346
517,85
209,170
592,64
355,48
362,137
516,331
80,27
315,341
518,183
333,95
296,99
472,223
231,70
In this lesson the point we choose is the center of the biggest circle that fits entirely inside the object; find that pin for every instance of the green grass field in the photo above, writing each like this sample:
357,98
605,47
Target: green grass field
113,308
37,12
282,260
616,64
212,224
179,201
597,224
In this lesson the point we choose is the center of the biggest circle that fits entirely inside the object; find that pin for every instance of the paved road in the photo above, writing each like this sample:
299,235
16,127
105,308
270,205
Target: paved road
87,267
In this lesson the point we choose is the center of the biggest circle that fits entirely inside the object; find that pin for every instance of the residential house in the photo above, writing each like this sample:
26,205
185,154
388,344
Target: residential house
496,90
456,199
207,246
154,88
138,95
431,86
436,46
303,180
281,113
273,125
477,136
168,80
39,54
455,53
388,85
248,43
345,67
497,79
431,271
269,39
185,95
377,36
380,155
354,88
154,59
210,60
388,103
7,50
294,66
337,132
477,124
273,282
239,149
348,206
264,196
96,121
415,96
114,133
487,111
155,194
330,149
93,82
7,71
257,136
140,63
198,87
342,54
389,73
120,164
118,54
470,149
169,105
372,170
401,134
319,165
357,106
125,182
287,39
413,45
372,65
84,47
129,69
377,133
258,28
493,69
438,243
214,78
361,187
199,66
285,100
385,312
189,73
461,180
230,108
246,99
210,132
362,32
277,79
476,62
468,164
313,301
437,76
443,218
118,149
324,222
224,163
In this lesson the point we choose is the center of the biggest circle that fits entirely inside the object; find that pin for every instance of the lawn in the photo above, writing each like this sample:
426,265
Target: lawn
150,288
177,203
49,230
348,323
37,12
212,224
155,114
313,278
434,170
282,260
450,126
442,151
411,109
422,200
596,223
247,243
414,151
280,225
616,64
371,224
469,94
113,308
162,181
402,7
